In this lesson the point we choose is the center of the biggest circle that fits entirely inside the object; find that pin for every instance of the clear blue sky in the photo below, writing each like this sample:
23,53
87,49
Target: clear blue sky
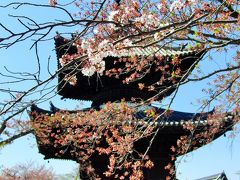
221,155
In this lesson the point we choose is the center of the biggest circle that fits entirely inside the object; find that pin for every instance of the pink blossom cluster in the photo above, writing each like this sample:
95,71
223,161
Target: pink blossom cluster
72,80
94,133
176,5
119,29
180,4
52,2
94,62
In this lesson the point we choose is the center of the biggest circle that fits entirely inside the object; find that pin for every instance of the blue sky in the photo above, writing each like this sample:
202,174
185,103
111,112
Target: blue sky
221,155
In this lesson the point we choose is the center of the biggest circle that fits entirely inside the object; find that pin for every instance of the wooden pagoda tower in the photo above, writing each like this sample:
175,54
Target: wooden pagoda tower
113,89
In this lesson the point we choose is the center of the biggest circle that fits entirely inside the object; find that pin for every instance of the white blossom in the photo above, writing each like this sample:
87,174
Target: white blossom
148,20
156,36
96,30
176,5
96,64
193,3
100,67
127,42
88,70
171,30
113,26
85,44
72,80
62,62
112,15
160,6
94,59
105,45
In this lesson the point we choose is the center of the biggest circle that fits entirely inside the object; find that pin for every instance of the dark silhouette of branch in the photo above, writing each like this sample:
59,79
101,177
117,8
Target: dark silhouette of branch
234,13
14,137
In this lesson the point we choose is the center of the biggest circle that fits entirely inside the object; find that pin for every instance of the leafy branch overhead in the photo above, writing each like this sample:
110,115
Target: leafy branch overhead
182,41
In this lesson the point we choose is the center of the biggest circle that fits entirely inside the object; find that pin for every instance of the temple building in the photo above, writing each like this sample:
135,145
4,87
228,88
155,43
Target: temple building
219,176
111,89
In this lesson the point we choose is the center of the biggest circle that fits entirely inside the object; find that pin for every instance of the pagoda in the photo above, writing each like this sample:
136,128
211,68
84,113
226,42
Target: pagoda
112,89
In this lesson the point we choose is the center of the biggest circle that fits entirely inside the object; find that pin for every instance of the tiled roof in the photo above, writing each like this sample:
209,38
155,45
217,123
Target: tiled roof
151,50
219,176
175,118
104,89
170,125
157,51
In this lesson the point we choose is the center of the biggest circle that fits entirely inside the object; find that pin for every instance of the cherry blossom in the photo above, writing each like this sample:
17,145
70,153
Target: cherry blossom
88,70
106,28
105,45
52,2
86,44
72,80
112,15
127,42
176,5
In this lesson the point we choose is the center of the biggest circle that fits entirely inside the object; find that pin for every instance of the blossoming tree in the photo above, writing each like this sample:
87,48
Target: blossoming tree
28,170
117,28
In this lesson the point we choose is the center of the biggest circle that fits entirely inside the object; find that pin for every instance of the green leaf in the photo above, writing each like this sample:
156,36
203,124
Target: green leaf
152,114
196,33
196,66
217,31
198,45
173,75
2,145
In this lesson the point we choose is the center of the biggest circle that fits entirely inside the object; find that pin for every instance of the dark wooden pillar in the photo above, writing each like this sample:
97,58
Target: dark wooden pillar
158,172
159,152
